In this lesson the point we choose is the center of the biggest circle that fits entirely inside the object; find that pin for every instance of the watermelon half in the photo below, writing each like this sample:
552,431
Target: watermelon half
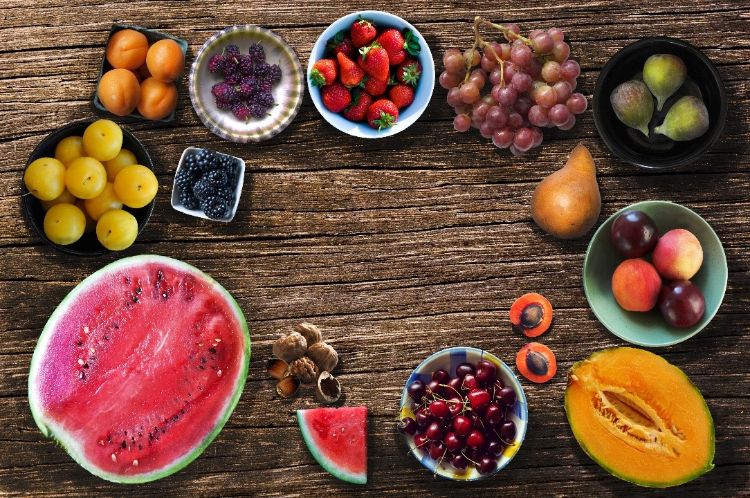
139,367
337,439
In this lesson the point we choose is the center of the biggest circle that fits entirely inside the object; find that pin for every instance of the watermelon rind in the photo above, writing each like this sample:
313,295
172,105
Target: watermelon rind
50,429
325,462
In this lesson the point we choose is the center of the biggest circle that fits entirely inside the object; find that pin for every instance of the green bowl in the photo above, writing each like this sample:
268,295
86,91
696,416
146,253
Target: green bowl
650,329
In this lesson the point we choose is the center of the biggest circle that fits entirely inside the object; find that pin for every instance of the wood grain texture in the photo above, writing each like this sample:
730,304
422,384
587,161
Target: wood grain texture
396,247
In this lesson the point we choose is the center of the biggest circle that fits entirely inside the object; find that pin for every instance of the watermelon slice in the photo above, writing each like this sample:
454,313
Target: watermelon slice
139,367
337,439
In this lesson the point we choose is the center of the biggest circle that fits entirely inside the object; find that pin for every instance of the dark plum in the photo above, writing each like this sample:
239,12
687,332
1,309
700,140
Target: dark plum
682,304
408,426
634,234
416,390
464,369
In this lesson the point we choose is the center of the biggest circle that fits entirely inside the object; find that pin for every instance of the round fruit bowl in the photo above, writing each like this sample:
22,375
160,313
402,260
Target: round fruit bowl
649,329
448,359
422,94
87,245
287,93
659,152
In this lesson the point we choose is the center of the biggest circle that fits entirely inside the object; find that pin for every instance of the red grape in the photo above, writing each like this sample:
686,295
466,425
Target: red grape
577,103
545,96
478,77
480,110
486,130
449,80
521,82
503,138
488,62
522,105
507,95
521,55
469,93
496,117
556,34
495,76
561,51
559,114
509,70
534,69
515,120
562,90
542,43
514,29
454,97
570,123
570,69
524,139
462,122
551,71
454,61
538,116
472,56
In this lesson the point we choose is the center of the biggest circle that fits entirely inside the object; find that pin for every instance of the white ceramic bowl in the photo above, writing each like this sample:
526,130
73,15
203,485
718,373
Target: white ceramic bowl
423,91
197,212
287,93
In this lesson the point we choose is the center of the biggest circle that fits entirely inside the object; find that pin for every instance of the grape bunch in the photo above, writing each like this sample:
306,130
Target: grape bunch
510,90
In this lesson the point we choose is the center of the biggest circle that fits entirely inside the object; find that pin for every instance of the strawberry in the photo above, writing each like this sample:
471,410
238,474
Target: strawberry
382,114
335,97
401,95
375,87
324,72
357,111
341,43
393,43
374,60
351,74
363,32
409,72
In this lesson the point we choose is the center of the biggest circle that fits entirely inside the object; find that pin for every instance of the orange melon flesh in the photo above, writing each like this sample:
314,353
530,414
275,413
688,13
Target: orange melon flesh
640,417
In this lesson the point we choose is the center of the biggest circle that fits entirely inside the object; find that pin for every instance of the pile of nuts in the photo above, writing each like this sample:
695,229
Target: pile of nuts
302,357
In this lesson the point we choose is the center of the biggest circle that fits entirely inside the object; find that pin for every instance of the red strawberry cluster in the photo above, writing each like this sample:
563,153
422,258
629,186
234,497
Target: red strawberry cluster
369,74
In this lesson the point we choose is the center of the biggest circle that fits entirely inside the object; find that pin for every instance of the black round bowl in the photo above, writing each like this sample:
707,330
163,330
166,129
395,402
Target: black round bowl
88,245
659,152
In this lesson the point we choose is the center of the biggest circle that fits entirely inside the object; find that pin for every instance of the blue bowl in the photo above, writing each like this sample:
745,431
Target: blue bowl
423,91
448,359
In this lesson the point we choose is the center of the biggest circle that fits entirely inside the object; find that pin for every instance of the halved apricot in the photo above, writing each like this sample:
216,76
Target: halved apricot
127,49
531,314
536,362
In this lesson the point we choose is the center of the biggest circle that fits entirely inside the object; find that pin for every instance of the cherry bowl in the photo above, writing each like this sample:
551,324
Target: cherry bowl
448,359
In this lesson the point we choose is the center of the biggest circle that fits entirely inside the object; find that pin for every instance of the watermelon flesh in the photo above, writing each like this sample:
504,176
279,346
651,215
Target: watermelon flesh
139,367
337,439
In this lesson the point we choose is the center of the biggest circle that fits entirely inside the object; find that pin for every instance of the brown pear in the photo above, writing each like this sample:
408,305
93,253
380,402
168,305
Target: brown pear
566,204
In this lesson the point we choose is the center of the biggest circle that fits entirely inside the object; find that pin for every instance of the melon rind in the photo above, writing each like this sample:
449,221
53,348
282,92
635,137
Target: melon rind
648,484
50,429
325,462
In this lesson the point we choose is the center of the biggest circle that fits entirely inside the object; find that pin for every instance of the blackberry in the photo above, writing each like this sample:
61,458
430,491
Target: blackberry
257,53
257,110
231,65
215,63
188,200
203,188
224,93
264,99
246,64
274,73
217,177
232,49
223,104
264,86
262,71
184,179
205,160
191,164
233,78
215,207
241,112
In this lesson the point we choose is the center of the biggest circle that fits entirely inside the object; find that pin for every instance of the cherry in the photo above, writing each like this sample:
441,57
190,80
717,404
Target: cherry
441,376
495,448
459,462
454,386
420,440
464,369
437,450
476,439
474,454
462,425
470,382
487,465
508,432
434,431
408,426
507,395
478,399
434,388
439,409
453,442
455,405
416,390
494,414
423,417
486,372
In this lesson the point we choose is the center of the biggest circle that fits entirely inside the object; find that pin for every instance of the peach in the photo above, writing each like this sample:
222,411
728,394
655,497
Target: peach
636,285
678,255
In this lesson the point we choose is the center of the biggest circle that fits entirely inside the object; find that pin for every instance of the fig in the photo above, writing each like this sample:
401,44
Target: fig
664,74
633,105
687,119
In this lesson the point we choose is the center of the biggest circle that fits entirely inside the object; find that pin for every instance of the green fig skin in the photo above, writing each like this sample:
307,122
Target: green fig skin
687,119
664,74
633,105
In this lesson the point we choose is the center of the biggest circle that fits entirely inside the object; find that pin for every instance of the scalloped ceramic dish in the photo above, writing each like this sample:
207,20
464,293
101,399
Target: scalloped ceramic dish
287,93
449,359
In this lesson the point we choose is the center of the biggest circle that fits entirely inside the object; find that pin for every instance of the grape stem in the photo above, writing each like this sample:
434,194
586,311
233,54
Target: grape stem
480,42
511,35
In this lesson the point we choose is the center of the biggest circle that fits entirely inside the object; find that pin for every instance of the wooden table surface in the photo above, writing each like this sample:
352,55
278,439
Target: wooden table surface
396,247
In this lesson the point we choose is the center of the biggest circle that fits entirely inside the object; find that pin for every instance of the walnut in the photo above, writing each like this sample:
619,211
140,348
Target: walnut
290,347
324,356
304,369
310,332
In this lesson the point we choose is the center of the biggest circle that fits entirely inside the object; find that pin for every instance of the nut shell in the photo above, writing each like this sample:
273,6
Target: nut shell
327,389
287,387
290,347
304,369
310,332
277,368
324,356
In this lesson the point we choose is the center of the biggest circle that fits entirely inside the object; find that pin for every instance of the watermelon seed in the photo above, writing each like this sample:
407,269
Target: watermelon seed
218,372
92,350
140,446
85,329
138,290
123,445
79,343
80,361
101,442
212,350
114,457
159,275
82,375
135,462
165,295
135,299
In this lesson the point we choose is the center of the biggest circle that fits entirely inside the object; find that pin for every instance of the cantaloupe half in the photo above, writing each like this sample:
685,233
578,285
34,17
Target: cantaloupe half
640,417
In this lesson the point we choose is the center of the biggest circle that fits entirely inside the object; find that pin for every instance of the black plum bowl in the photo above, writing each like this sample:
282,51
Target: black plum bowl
87,245
659,152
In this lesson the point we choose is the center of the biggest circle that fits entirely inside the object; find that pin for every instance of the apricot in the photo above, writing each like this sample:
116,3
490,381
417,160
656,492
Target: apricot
158,99
636,285
678,255
165,60
119,91
531,314
536,362
127,49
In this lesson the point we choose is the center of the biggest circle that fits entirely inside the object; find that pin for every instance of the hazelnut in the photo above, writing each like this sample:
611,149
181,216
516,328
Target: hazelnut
277,368
304,369
310,332
290,347
328,389
324,356
287,387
